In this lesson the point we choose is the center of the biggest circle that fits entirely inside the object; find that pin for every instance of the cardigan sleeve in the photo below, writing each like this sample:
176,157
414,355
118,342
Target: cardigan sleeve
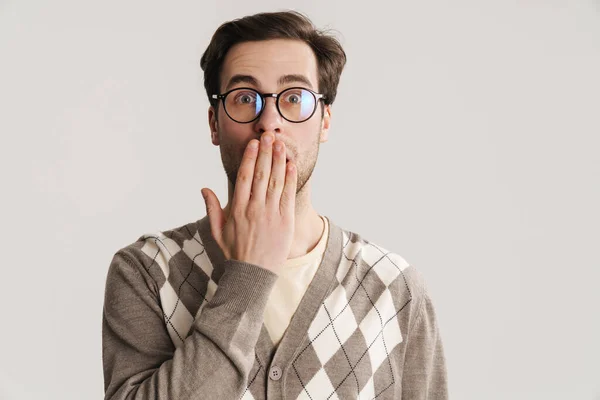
140,361
424,372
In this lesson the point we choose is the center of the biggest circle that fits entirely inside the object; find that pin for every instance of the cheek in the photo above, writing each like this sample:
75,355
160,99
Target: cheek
307,140
233,132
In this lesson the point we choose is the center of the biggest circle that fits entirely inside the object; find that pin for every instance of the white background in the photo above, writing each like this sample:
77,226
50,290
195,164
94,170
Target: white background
472,128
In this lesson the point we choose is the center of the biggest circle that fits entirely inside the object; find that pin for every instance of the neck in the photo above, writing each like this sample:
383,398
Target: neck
308,225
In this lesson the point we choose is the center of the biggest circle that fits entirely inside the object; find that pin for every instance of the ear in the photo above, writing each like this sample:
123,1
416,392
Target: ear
213,125
325,124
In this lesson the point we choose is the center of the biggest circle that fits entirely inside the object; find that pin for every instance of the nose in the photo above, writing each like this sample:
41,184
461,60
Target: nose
270,119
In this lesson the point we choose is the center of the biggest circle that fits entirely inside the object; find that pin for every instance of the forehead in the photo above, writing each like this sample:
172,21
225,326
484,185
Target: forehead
269,60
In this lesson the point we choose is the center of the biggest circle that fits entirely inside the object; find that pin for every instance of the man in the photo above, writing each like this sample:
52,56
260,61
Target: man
265,298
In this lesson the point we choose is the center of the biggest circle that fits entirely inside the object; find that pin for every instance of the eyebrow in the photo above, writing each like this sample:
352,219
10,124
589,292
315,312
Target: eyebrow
285,79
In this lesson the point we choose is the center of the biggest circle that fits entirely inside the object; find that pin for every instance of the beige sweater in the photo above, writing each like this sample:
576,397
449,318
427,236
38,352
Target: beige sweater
180,322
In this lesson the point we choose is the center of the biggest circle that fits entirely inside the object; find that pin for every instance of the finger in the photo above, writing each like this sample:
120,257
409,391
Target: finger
262,171
288,197
215,214
277,179
245,175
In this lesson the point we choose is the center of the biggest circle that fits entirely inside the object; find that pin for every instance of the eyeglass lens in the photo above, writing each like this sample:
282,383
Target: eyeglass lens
295,104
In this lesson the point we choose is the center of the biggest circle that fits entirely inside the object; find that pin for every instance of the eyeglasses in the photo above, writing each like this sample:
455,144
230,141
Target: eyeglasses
244,105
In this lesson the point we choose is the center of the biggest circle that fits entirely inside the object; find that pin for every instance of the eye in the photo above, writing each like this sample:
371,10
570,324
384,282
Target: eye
245,97
293,98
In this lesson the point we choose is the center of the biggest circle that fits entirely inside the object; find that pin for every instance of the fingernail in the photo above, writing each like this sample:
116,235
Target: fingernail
253,144
268,138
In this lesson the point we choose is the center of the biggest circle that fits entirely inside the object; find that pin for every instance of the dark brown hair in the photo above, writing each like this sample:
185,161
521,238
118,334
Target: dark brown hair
330,56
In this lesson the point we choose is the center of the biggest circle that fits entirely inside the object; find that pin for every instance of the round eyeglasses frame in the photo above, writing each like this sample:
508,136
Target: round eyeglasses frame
317,97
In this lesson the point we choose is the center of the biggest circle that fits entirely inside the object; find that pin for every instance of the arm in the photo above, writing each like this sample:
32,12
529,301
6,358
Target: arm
140,360
424,376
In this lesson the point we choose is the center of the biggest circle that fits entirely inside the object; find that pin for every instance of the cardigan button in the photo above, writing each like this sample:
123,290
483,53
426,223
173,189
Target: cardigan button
275,373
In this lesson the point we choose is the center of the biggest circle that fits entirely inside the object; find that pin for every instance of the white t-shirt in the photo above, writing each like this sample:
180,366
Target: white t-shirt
290,287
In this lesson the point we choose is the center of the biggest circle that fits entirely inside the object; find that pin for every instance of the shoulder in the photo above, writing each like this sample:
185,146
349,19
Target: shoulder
153,254
403,280
386,263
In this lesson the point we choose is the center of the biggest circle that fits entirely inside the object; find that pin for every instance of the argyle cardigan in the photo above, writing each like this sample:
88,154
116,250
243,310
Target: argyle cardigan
182,322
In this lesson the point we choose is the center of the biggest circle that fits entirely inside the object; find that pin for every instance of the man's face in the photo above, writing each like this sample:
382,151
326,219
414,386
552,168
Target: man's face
270,67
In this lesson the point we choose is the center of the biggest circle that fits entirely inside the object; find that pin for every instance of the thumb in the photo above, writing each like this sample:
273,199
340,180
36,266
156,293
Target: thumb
214,212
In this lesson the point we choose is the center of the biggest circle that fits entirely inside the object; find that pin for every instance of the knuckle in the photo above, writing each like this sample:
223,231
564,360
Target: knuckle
243,177
251,212
237,214
265,148
259,175
273,186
